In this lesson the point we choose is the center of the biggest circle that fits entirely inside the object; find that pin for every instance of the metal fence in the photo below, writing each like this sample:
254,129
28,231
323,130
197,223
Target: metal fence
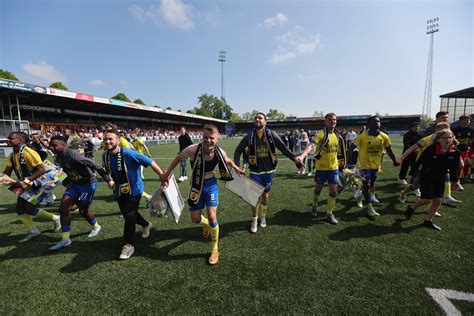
8,126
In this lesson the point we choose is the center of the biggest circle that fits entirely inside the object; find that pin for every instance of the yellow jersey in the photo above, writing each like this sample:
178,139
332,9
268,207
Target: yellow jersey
328,160
371,149
423,143
32,159
139,145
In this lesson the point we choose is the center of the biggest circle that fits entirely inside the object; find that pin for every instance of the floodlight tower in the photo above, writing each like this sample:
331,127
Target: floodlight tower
432,26
222,61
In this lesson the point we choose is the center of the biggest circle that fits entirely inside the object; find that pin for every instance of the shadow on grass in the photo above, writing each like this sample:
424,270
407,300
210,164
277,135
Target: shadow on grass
91,252
371,230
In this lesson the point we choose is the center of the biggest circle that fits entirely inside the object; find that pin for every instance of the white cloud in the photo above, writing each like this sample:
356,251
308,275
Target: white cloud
177,14
276,20
97,83
173,12
293,44
44,72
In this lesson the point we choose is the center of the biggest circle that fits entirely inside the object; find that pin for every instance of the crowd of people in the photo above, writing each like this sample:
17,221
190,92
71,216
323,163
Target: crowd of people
438,159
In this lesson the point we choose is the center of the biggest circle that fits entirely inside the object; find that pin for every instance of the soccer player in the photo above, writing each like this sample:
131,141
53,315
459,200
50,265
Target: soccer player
123,165
329,143
141,147
80,188
184,141
371,145
463,134
261,143
28,166
204,191
435,161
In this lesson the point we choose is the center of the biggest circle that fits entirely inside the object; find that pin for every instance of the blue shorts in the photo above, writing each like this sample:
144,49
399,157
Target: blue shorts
209,195
329,176
83,193
369,174
264,179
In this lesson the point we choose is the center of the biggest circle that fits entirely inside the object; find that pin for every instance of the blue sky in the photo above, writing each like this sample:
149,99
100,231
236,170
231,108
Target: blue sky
350,57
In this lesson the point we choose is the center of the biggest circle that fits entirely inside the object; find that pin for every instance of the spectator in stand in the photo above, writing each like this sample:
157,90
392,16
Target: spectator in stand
184,141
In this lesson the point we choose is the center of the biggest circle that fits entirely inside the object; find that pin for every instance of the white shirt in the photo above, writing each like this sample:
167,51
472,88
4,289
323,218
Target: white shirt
351,136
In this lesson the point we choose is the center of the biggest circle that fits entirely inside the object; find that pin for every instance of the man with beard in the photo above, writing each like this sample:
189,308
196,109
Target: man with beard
261,143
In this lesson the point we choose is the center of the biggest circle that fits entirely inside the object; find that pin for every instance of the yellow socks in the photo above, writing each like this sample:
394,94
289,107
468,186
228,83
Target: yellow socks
215,237
447,189
45,214
204,221
263,209
331,204
66,235
315,199
27,220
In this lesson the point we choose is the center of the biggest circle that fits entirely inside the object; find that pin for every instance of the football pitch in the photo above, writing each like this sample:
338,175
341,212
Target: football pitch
296,265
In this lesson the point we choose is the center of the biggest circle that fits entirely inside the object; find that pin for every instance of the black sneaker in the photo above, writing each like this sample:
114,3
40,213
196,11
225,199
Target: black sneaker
409,212
430,224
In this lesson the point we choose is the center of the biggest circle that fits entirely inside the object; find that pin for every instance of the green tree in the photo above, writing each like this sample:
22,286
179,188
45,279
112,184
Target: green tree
235,117
58,85
121,96
7,75
169,108
249,116
318,114
274,114
139,101
212,106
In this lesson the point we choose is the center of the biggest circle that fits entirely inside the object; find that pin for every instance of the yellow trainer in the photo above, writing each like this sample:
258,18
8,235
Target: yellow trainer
214,257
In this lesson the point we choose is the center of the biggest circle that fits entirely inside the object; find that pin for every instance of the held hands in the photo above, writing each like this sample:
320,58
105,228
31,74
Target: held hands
111,185
240,171
299,159
396,163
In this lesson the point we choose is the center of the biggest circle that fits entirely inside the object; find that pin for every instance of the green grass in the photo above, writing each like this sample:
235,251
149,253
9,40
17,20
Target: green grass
295,265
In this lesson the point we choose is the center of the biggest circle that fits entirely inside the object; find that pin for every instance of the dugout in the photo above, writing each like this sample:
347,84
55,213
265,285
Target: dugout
458,103
27,102
391,123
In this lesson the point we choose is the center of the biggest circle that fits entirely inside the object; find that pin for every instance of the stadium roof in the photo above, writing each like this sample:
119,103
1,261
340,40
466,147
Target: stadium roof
467,93
80,102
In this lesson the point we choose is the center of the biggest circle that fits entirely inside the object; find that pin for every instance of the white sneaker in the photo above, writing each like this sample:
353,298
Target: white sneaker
310,174
31,234
417,192
373,199
181,179
461,188
253,226
449,199
402,181
63,243
95,231
185,178
146,230
437,214
127,252
263,222
402,197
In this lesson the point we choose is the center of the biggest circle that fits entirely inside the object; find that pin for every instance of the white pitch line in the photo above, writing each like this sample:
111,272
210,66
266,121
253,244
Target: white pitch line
443,296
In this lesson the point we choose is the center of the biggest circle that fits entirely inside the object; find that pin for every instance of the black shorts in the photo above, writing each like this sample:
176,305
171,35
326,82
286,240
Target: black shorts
128,203
432,187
